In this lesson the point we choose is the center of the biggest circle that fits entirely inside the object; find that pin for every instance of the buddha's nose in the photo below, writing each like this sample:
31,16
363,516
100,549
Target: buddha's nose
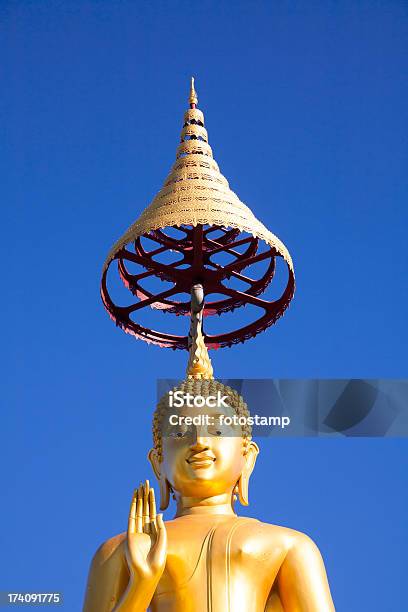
200,442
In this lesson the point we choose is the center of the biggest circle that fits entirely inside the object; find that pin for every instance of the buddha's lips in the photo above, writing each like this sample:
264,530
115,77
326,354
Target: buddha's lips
201,460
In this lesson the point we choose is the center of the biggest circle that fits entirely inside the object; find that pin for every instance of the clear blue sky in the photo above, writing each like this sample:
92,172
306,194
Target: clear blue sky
306,107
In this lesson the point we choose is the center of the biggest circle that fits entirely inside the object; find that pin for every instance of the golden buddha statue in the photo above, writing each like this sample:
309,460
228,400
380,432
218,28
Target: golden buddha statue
207,558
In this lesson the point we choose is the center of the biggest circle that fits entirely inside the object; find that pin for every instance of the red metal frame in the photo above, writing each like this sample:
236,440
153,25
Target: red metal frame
196,250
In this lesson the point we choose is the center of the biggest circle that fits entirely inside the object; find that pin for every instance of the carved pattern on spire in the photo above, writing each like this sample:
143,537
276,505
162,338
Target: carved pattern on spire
199,363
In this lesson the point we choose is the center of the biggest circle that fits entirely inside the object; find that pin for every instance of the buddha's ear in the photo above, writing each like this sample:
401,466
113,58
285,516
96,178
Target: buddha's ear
250,456
164,485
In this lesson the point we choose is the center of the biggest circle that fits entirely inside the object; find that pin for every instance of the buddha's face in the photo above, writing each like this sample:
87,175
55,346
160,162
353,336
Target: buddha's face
205,457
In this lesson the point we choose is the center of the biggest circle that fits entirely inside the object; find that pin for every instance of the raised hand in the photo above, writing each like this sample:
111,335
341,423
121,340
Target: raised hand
146,547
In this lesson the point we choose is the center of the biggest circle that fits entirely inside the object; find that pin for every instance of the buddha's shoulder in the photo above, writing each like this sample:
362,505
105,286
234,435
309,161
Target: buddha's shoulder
111,550
275,535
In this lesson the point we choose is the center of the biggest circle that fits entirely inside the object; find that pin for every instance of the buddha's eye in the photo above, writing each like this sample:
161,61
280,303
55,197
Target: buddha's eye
215,432
178,434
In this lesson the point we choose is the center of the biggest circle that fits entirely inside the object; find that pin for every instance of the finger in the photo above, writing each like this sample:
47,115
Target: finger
132,514
140,493
152,505
139,513
152,514
160,547
160,523
146,500
146,513
161,531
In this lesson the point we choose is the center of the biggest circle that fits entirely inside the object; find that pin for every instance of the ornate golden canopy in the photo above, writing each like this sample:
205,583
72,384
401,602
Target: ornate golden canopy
196,200
195,192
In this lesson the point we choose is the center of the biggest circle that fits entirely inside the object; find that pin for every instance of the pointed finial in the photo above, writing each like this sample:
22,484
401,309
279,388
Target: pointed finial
193,95
199,363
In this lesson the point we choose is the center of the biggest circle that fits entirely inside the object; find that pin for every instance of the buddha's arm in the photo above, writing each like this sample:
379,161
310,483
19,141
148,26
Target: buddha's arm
110,587
108,576
302,580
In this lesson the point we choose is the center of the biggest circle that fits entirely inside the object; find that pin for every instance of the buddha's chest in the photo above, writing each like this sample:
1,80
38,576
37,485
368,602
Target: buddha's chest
222,568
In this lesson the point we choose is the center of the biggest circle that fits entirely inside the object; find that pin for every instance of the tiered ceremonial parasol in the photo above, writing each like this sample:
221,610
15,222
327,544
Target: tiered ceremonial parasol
193,220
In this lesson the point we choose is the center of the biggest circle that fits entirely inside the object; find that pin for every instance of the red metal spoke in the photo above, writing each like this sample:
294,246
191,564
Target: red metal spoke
149,301
249,261
167,269
127,276
228,249
161,249
241,277
246,297
212,228
167,241
152,336
132,283
228,236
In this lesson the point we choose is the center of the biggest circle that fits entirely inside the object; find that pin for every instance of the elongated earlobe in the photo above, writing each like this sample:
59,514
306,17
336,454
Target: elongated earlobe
243,482
243,490
164,493
163,483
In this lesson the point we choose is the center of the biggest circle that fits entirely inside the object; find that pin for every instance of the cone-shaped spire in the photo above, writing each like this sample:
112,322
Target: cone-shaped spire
195,192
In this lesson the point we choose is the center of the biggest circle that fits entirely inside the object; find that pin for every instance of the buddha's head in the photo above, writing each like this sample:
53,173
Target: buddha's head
211,456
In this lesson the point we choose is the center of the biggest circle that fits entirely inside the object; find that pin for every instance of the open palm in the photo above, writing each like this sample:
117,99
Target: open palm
146,548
